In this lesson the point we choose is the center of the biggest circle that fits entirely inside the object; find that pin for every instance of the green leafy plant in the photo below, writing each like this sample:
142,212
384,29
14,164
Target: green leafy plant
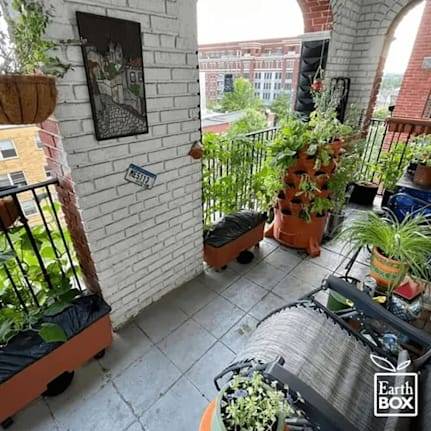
408,241
346,173
19,312
307,187
228,182
252,121
253,405
393,163
28,51
282,105
242,97
321,206
291,138
423,149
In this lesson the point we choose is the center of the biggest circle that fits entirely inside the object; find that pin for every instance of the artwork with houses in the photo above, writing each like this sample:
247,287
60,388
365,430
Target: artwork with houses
112,51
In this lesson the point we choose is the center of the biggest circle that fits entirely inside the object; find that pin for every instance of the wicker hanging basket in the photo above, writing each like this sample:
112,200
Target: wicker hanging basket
26,99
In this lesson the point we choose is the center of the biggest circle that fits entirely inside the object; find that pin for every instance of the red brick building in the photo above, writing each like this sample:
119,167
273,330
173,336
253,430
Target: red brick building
270,64
414,100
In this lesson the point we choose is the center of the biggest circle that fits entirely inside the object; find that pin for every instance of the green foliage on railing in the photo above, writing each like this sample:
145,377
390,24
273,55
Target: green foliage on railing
16,316
235,175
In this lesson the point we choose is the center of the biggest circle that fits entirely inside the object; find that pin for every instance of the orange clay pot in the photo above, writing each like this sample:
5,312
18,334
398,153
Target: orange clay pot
207,417
292,231
423,175
218,257
32,381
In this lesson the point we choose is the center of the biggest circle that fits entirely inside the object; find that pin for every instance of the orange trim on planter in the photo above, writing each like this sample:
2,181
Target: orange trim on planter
32,381
218,257
384,270
207,417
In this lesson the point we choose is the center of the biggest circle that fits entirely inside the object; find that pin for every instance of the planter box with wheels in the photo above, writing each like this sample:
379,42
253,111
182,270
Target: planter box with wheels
232,235
28,365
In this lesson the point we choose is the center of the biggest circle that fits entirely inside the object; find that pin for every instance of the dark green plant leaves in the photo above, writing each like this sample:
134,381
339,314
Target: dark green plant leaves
52,333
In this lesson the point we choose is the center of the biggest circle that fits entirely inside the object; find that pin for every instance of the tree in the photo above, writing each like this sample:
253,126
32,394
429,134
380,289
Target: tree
281,106
252,121
242,97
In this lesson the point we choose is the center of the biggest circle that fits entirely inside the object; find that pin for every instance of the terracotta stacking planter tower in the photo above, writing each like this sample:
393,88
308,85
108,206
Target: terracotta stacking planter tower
295,224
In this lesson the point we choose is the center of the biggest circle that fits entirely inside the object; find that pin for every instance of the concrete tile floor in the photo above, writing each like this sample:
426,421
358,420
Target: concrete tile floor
159,372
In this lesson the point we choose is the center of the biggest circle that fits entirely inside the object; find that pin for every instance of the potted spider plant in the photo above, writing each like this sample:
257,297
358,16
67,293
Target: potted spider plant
423,156
250,403
28,70
398,247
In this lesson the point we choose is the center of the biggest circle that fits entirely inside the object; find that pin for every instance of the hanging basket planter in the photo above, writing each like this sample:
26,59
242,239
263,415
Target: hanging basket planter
26,99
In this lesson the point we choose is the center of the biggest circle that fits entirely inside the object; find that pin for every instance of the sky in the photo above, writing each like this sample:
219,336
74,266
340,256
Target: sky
233,20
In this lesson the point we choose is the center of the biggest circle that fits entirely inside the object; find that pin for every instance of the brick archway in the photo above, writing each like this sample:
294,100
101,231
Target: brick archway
393,18
317,15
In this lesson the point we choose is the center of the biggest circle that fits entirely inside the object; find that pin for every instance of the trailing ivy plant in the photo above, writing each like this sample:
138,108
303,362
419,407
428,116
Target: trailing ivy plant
14,317
27,50
251,404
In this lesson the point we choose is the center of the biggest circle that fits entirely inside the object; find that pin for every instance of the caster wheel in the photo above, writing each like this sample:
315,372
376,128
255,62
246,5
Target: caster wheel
7,423
100,355
223,267
245,257
257,245
59,385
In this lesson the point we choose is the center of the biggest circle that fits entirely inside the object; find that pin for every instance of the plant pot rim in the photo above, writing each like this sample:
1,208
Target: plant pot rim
368,184
27,77
380,254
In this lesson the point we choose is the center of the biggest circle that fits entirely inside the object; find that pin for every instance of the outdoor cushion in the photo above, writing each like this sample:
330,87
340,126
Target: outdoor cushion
232,226
325,357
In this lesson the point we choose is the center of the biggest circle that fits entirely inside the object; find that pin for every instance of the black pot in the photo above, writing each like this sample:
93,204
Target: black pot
364,193
385,199
333,224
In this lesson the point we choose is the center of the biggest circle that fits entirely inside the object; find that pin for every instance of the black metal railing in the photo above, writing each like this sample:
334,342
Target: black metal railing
382,136
231,169
37,259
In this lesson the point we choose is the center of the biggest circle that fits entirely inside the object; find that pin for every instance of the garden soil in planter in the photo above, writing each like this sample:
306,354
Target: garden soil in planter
28,364
233,234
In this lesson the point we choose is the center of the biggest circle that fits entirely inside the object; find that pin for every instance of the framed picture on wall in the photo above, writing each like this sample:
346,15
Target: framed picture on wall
112,51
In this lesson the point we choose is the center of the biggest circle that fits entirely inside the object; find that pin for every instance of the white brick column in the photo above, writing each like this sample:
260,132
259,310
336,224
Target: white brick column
143,243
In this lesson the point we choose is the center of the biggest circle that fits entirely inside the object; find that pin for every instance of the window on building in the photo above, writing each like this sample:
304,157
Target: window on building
288,86
140,76
18,178
277,86
268,75
427,110
48,172
267,86
257,85
132,77
38,141
278,75
257,75
4,181
7,149
266,96
28,208
289,75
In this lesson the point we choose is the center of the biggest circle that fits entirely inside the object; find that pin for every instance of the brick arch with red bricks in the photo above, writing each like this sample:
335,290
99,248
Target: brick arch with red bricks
317,15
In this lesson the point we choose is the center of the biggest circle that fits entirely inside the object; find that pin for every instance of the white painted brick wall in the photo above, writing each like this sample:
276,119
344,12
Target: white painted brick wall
358,40
144,243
